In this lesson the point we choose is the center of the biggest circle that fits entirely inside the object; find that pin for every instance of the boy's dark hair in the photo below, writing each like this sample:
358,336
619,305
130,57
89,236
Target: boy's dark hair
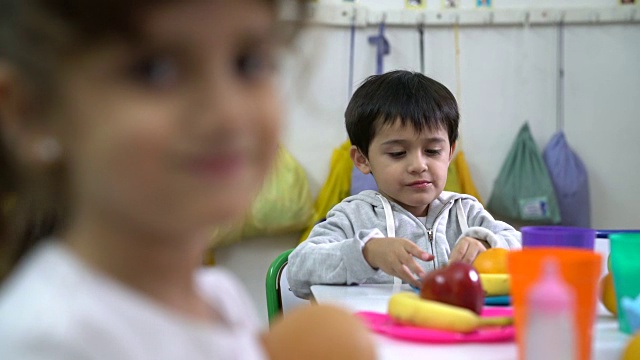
411,97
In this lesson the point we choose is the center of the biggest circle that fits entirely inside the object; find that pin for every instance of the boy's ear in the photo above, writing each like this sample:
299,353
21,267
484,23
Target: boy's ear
359,160
452,151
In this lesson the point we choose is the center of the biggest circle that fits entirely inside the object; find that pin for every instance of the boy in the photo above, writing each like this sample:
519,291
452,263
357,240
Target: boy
403,128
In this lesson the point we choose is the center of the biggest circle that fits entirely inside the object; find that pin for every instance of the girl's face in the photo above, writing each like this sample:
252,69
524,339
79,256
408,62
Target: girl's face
178,131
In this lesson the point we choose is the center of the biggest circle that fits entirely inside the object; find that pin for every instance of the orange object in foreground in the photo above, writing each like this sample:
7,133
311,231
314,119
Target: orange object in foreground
580,270
319,332
492,261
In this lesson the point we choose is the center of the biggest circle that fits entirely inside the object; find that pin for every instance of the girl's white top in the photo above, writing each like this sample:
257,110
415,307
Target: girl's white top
56,307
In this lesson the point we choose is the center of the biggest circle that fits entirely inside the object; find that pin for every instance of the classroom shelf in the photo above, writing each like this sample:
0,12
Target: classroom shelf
361,16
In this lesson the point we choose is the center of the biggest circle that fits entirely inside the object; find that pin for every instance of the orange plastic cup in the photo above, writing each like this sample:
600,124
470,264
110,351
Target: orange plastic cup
580,270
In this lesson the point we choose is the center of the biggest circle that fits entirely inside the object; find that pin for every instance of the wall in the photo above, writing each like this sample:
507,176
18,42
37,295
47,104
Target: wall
508,76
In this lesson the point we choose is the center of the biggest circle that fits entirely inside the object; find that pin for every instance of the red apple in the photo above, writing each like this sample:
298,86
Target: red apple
457,284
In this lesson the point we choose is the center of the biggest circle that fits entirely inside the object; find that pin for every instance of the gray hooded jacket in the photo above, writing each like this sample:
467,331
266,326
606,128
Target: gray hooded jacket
333,252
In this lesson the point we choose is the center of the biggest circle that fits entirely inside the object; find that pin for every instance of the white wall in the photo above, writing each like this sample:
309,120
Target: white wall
508,76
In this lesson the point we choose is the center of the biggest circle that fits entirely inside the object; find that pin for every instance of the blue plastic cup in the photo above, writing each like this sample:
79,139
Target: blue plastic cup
625,266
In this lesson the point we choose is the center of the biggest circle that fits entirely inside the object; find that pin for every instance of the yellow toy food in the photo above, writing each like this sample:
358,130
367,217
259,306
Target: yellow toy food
632,351
608,294
492,261
495,284
409,308
493,270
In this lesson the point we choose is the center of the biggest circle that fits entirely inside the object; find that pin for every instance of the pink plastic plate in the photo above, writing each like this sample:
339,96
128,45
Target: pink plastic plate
383,324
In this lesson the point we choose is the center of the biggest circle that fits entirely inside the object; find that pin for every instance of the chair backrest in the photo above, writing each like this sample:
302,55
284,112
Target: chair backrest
279,297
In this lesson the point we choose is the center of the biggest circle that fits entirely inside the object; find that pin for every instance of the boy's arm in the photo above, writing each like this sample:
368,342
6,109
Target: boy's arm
484,227
331,255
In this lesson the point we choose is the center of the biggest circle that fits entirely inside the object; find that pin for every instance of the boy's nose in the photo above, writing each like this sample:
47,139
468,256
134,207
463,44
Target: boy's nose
417,164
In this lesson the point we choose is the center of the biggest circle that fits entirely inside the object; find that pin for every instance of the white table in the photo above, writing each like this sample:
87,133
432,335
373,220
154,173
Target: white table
608,341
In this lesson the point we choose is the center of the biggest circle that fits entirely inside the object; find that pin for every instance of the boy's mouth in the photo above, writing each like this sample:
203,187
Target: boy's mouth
420,184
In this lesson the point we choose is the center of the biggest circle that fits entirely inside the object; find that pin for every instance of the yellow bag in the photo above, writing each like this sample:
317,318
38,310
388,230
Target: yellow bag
453,180
335,189
464,176
283,205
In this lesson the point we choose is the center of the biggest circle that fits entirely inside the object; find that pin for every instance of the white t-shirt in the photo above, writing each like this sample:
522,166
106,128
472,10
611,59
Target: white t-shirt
55,307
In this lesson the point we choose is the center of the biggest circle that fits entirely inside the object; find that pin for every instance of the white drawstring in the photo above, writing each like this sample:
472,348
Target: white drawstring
462,218
391,227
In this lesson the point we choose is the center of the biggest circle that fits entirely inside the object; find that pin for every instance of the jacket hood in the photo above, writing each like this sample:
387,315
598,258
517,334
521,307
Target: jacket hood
371,197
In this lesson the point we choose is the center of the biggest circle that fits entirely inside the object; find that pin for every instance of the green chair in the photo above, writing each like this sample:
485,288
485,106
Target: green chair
274,297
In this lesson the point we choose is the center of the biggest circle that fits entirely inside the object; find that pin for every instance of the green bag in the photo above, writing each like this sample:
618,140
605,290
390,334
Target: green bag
523,190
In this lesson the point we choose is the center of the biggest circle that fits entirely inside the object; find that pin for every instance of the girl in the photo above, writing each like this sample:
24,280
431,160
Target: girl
129,130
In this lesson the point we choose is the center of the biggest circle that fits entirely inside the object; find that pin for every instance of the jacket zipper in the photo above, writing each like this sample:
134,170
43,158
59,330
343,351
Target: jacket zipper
430,234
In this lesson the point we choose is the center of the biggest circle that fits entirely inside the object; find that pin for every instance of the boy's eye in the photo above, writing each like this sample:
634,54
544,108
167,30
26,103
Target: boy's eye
254,64
434,152
396,154
157,71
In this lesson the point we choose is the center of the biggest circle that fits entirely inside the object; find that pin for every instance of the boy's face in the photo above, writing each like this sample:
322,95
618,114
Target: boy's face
178,132
409,168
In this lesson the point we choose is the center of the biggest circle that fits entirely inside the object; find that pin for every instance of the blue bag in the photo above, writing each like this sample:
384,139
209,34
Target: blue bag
570,182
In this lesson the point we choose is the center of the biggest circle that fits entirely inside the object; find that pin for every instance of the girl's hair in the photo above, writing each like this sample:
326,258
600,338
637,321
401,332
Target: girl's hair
35,37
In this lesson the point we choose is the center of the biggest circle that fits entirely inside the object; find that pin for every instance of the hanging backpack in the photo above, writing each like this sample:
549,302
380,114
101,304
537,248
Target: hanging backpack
523,190
467,186
459,163
570,182
335,188
361,182
453,180
284,205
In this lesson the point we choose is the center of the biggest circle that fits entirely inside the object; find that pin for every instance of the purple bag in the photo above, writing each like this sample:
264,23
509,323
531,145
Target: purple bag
361,182
570,182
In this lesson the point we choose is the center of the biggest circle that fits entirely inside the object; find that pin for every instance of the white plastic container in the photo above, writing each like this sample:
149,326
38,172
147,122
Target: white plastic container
551,326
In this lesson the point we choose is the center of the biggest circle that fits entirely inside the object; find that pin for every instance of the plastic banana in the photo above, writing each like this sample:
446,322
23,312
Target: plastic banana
409,308
496,284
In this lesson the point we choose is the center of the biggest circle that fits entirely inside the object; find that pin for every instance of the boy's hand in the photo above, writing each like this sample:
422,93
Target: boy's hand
467,249
395,256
